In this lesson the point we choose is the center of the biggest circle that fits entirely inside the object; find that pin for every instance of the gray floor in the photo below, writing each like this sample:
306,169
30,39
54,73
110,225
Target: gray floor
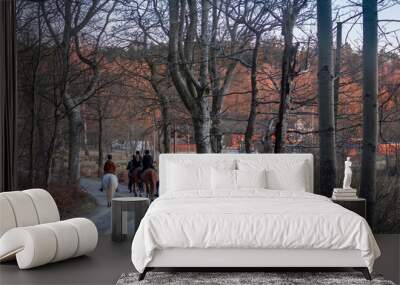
110,260
104,266
389,262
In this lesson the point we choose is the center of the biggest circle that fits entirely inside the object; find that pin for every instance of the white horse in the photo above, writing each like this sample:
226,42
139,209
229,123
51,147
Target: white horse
110,185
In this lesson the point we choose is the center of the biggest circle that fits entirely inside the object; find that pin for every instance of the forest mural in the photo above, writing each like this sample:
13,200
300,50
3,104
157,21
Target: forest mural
99,77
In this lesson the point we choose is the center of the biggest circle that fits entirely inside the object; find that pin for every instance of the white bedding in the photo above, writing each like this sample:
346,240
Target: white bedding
251,218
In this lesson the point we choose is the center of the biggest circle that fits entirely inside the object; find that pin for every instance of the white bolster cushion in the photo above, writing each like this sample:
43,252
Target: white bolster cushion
45,205
66,238
7,218
87,234
40,244
32,246
22,207
26,208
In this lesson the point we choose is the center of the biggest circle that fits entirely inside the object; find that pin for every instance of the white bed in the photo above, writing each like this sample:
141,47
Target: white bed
202,220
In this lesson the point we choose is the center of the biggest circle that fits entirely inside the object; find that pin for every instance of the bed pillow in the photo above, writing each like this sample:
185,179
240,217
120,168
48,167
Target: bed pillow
225,164
189,177
251,164
251,178
224,179
290,178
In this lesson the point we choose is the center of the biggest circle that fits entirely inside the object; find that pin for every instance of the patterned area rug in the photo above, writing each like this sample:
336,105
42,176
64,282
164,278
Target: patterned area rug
269,278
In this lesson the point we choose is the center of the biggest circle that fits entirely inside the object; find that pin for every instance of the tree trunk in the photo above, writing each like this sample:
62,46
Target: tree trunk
218,93
100,147
288,66
338,63
204,45
289,57
34,103
254,92
267,143
41,153
370,105
75,139
85,139
202,126
51,149
164,106
327,167
216,133
33,133
166,127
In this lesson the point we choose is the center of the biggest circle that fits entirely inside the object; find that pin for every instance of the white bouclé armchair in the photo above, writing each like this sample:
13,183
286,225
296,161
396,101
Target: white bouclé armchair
31,231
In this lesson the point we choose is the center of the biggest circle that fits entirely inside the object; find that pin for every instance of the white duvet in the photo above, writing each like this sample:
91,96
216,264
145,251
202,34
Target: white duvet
254,218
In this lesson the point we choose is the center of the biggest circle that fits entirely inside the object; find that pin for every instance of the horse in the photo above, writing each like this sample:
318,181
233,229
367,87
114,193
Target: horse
135,181
110,185
148,179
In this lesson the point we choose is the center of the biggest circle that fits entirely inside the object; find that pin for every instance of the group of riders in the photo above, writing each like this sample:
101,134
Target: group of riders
137,167
141,174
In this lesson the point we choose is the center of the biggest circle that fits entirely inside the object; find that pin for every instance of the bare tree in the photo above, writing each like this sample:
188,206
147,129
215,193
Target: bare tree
105,106
36,97
290,13
248,135
256,19
73,17
34,121
206,58
147,18
156,82
221,81
327,167
192,89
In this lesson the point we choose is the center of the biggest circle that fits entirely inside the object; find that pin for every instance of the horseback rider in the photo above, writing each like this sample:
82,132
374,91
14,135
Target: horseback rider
147,161
109,181
135,163
148,175
109,166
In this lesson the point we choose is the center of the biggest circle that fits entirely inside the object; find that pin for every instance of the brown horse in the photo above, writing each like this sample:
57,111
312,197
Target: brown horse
149,180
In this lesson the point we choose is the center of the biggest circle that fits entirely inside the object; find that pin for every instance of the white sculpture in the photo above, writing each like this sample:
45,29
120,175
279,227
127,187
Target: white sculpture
347,174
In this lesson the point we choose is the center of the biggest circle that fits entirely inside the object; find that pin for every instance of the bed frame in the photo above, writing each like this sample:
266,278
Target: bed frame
259,259
236,259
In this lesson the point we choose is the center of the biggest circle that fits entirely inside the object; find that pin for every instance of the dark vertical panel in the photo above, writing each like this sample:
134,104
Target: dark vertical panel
8,95
370,105
327,145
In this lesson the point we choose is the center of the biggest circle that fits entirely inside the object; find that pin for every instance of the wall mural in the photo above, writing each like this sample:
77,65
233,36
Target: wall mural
106,86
